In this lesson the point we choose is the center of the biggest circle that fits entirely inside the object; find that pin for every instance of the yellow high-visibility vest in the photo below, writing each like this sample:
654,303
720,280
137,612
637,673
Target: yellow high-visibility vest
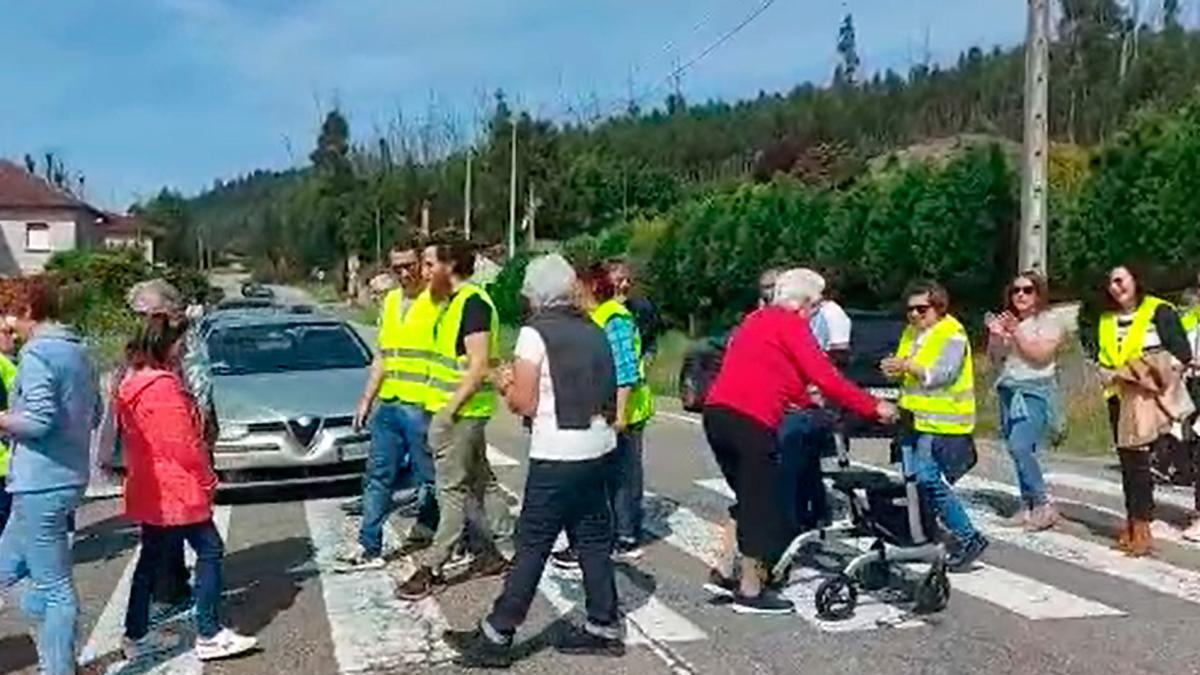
639,407
1115,353
447,368
406,347
8,375
947,409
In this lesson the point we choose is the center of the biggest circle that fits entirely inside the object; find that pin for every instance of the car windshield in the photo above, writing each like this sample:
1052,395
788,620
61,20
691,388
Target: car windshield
275,348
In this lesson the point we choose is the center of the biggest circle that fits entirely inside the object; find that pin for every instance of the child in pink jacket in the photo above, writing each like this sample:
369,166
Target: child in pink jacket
169,489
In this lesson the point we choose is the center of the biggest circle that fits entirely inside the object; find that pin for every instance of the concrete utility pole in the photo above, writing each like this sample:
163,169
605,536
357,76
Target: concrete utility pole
512,194
1032,245
467,197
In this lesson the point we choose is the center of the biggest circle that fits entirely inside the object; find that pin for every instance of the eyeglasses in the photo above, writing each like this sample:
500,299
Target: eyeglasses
1024,290
919,309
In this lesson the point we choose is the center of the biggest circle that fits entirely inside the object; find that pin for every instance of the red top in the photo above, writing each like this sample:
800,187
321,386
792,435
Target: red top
769,363
170,480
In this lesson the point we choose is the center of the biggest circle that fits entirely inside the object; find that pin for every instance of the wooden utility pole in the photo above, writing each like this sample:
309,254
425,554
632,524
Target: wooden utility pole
425,218
467,197
1032,245
512,193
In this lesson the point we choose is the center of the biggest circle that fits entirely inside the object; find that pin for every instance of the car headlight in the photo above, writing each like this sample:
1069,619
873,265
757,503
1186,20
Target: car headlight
233,432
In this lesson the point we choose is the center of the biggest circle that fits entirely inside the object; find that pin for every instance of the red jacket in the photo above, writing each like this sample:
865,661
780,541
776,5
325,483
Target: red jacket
769,363
169,480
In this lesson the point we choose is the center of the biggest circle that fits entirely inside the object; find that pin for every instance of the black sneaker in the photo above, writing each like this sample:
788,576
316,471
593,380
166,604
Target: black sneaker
353,507
587,641
477,650
627,551
422,584
965,556
720,585
567,559
765,602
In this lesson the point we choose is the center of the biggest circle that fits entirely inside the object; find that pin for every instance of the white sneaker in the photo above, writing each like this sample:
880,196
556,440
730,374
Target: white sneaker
357,560
224,645
151,643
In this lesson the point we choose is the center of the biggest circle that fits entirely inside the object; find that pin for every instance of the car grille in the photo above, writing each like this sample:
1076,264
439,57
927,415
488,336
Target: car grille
266,427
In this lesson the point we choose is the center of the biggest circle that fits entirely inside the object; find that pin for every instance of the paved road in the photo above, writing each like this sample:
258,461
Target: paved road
1056,602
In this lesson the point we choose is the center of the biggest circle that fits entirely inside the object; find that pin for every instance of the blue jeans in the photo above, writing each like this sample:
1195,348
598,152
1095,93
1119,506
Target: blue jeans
34,547
1024,428
5,505
156,543
917,452
626,485
399,458
804,438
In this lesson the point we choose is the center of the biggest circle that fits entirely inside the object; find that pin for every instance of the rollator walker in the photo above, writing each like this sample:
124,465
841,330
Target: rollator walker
892,511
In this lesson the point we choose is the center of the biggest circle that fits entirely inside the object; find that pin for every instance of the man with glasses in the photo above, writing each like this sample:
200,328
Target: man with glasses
937,402
397,389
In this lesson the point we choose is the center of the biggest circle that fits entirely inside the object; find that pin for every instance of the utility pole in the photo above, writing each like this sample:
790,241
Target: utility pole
1032,245
531,207
512,193
467,197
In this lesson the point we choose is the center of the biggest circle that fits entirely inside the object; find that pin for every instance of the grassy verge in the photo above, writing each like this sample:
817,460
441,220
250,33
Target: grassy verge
322,293
663,370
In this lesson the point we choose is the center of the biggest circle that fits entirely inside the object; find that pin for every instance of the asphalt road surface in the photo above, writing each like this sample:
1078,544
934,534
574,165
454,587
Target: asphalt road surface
1055,602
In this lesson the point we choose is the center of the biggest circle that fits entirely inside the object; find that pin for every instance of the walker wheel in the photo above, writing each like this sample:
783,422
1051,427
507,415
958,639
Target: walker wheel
836,598
933,594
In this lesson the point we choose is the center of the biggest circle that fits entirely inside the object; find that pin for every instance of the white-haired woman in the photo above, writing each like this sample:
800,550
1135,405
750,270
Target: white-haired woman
564,382
769,363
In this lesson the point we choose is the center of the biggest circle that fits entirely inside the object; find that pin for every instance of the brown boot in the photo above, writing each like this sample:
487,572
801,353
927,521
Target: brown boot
1124,536
1140,541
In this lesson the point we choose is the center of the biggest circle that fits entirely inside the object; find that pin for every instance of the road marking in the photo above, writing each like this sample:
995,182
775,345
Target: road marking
1163,494
1017,593
682,528
680,417
651,622
497,458
106,635
371,630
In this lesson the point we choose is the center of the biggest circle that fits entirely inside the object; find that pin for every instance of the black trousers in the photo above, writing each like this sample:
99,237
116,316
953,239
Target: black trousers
559,496
1137,482
748,453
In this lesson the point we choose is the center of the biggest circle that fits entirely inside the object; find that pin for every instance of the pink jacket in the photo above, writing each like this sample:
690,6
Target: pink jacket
169,480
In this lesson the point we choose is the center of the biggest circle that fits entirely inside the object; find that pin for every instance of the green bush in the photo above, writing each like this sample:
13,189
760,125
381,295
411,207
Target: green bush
506,289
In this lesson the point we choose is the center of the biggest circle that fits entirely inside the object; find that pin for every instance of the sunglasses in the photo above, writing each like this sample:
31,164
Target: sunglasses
919,309
1024,290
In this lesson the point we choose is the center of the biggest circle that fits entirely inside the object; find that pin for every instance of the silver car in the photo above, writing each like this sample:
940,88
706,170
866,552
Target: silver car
285,384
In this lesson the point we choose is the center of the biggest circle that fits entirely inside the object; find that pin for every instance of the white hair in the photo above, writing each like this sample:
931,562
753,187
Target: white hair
156,296
549,280
798,287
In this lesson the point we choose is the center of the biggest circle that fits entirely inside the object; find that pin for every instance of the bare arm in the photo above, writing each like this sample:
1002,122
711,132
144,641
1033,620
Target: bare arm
522,393
370,391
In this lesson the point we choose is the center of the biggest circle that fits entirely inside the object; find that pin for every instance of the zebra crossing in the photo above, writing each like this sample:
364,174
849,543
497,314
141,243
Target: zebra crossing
369,630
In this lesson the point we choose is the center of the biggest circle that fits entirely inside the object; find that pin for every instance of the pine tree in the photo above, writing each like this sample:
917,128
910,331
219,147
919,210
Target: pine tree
846,72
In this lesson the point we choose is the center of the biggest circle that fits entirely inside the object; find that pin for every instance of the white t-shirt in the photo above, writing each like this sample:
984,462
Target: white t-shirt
548,441
1042,326
830,325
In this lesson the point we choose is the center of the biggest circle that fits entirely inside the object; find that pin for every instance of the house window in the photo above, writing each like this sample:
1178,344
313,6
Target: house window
37,237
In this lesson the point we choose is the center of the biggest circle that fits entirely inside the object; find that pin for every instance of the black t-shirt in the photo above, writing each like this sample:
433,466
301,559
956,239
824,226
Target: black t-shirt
476,318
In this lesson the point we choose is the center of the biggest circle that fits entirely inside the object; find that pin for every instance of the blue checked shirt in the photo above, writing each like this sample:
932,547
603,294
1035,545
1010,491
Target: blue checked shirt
621,331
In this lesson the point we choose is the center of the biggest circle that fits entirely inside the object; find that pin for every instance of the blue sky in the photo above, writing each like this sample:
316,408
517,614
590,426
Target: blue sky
138,94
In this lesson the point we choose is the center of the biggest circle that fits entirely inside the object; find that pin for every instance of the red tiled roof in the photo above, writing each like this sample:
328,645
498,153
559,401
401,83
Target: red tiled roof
21,189
116,223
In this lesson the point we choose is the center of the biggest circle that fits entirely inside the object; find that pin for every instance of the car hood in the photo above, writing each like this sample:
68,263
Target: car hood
271,397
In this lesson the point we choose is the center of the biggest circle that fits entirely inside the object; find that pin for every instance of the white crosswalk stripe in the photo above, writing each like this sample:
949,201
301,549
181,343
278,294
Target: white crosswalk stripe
1015,592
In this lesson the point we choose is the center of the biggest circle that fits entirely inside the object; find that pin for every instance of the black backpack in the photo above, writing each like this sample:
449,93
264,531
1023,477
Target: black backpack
701,364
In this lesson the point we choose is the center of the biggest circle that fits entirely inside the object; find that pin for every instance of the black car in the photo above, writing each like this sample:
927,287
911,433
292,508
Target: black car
253,289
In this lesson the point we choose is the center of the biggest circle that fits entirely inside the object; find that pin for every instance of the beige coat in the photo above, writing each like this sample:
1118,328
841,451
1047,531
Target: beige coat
1153,399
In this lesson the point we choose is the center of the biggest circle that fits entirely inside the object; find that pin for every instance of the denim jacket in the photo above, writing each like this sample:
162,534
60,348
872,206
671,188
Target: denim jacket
1044,389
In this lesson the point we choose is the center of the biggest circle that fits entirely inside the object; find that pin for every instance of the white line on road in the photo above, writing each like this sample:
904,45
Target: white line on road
680,417
371,630
497,458
1113,489
1022,595
106,635
700,538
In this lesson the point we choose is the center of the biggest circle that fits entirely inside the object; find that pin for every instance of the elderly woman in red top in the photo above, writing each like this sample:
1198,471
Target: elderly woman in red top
770,361
169,488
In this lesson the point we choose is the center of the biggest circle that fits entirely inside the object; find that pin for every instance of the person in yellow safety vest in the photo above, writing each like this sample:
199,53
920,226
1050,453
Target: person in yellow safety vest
396,391
8,375
1134,325
461,400
937,403
635,407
